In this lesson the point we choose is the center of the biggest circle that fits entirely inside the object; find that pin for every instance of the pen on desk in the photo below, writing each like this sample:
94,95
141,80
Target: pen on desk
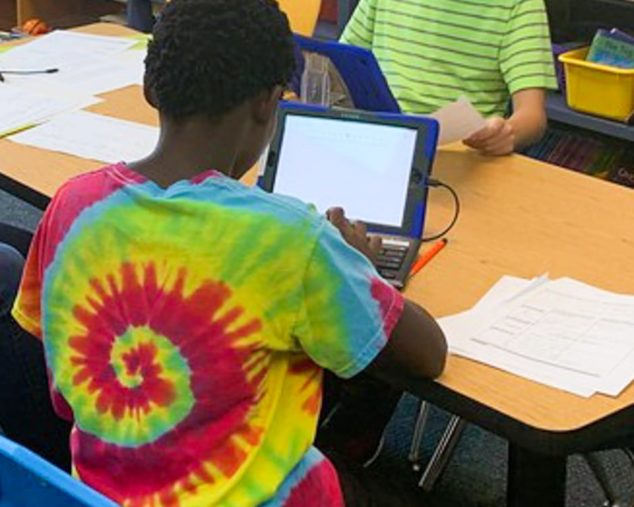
427,256
4,72
29,72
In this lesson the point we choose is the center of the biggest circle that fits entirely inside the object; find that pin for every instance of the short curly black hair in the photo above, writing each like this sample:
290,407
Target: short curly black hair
209,56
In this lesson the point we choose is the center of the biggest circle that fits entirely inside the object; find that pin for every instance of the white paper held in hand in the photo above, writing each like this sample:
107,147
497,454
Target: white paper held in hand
458,121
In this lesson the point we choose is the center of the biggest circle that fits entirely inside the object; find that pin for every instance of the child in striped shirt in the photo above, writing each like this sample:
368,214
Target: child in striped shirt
434,51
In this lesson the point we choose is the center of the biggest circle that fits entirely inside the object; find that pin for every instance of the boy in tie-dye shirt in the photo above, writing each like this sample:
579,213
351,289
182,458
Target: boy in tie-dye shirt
187,318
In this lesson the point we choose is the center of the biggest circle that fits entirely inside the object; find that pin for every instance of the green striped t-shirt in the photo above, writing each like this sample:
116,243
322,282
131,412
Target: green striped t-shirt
434,51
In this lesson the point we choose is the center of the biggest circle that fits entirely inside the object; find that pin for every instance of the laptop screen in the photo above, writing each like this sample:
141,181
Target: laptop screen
362,167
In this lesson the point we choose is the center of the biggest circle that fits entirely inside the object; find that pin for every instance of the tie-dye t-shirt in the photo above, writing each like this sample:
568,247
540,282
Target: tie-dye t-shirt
185,331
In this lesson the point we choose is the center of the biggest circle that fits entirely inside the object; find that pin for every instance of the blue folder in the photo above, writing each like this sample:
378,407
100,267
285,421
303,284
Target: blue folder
360,72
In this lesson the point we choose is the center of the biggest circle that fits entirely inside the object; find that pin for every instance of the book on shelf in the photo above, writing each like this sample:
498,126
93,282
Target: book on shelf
591,154
612,47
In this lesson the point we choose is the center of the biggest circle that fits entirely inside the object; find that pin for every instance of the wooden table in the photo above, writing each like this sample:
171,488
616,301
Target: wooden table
520,217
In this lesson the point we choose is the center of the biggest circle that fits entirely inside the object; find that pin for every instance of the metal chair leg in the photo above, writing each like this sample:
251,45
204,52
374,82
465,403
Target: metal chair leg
611,496
377,452
417,437
603,479
443,453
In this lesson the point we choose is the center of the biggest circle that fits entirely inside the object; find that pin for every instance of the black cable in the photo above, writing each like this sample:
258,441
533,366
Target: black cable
433,183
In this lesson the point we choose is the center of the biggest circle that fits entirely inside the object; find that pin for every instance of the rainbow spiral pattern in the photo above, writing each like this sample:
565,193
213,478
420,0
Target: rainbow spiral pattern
184,346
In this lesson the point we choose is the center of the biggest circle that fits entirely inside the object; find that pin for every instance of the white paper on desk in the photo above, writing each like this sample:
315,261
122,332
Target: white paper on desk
459,330
459,327
566,380
20,108
454,328
92,136
134,60
99,76
87,78
568,324
458,121
562,333
86,64
61,49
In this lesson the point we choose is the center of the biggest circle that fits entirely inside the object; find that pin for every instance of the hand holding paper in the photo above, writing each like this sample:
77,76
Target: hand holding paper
496,138
458,121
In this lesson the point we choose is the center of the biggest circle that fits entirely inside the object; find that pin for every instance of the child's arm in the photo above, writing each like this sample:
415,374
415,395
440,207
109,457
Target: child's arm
502,136
417,347
529,116
526,62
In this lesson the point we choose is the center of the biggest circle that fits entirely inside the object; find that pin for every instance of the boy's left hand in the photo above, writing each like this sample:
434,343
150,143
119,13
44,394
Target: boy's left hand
355,234
496,138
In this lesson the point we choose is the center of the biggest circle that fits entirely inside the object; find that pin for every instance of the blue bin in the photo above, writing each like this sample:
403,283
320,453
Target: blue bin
26,480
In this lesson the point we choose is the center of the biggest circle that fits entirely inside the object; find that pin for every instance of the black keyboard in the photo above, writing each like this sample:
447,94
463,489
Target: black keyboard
392,257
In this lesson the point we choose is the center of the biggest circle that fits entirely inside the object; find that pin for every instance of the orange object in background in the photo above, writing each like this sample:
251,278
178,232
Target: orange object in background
35,26
302,15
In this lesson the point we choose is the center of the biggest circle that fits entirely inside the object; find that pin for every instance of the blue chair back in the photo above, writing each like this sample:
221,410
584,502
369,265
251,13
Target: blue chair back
26,480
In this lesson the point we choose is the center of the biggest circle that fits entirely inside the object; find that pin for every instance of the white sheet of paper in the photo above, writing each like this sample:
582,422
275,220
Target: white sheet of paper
100,75
92,136
134,60
458,121
20,108
63,49
94,78
566,380
456,327
562,333
87,64
459,327
567,324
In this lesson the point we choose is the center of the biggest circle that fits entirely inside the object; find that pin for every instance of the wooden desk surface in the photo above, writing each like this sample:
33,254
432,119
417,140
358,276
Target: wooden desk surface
520,217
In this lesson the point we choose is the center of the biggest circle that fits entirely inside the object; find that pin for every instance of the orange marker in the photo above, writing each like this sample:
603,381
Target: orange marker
422,261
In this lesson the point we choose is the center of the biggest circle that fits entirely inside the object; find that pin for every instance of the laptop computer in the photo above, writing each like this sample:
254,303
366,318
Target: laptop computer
373,165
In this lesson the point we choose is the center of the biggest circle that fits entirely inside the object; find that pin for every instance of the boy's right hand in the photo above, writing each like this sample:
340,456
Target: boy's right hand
355,234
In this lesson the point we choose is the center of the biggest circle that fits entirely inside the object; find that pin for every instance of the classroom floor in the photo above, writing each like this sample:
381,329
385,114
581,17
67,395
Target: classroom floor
475,476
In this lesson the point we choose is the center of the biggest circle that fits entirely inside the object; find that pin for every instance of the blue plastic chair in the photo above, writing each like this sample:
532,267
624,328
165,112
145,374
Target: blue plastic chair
26,480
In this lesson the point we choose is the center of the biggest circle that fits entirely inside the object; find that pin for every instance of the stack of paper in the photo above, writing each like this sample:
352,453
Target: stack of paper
21,108
562,333
87,64
92,136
